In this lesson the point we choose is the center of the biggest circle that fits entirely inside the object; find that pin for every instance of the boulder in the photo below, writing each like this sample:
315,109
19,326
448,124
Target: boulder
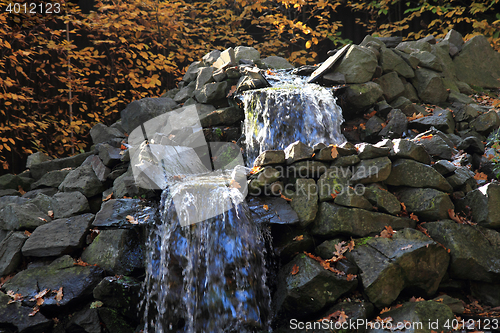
38,170
19,317
66,204
192,71
390,61
478,64
278,210
211,92
36,158
205,75
333,220
426,203
441,119
247,53
20,217
101,171
429,85
473,250
224,116
310,289
297,151
427,60
10,252
83,179
368,151
412,46
358,65
486,122
397,125
460,177
77,282
391,85
140,111
121,293
372,170
409,259
117,251
436,145
59,237
8,199
406,172
101,133
487,293
109,155
444,167
10,181
86,320
275,62
382,199
305,200
51,179
403,148
186,92
335,180
226,59
484,205
114,212
359,97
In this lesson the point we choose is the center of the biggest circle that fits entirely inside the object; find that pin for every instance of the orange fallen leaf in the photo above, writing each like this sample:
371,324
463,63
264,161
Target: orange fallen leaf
50,213
384,310
413,299
59,294
387,232
266,207
255,169
283,197
414,217
20,190
415,116
403,206
334,153
298,238
342,317
16,297
295,269
480,176
369,115
333,195
362,126
108,197
80,262
351,277
27,233
34,312
383,125
426,137
406,247
131,219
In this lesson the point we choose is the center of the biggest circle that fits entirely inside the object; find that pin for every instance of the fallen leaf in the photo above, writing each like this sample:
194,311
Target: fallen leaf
415,116
80,262
16,297
334,153
413,299
108,197
426,137
34,312
131,219
41,218
27,233
5,279
295,270
235,184
50,213
362,126
283,197
255,169
266,207
298,238
41,294
342,317
384,310
480,176
406,247
334,195
20,190
414,217
387,232
351,277
403,206
369,115
59,294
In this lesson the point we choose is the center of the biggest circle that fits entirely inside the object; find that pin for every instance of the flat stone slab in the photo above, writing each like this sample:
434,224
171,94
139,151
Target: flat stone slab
114,213
327,64
272,210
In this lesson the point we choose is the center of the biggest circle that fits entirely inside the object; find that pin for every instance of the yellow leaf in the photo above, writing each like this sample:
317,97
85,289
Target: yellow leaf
308,44
131,219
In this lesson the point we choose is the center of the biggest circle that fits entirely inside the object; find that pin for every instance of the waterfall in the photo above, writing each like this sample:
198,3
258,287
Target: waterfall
290,110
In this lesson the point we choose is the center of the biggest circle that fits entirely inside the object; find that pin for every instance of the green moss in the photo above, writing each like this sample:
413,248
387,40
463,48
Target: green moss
362,241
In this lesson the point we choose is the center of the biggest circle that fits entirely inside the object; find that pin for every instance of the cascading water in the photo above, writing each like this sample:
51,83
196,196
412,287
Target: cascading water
205,257
290,110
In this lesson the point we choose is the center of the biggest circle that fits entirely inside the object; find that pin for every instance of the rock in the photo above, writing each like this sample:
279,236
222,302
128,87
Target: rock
392,41
333,220
114,212
297,151
407,260
424,316
334,78
211,92
247,53
19,316
113,321
444,167
86,320
117,251
125,185
204,77
406,172
51,179
270,157
373,126
109,155
427,60
455,96
429,85
276,62
410,93
484,203
391,86
465,113
10,252
390,61
359,97
288,241
397,125
411,46
20,217
403,148
460,177
405,105
305,200
265,177
368,151
101,133
77,281
435,145
358,65
62,236
120,293
441,120
426,203
335,180
486,122
66,204
310,289
36,158
10,181
352,199
455,305
473,250
211,57
38,170
84,180
140,111
487,293
186,92
224,116
455,38
478,64
382,199
372,170
278,212
226,59
192,72
101,171
305,169
8,199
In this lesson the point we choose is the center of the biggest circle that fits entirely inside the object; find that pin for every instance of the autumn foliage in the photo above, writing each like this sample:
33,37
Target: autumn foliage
61,73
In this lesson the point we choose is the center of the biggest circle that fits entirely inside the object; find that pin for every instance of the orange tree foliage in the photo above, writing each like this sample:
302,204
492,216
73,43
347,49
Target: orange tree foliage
130,49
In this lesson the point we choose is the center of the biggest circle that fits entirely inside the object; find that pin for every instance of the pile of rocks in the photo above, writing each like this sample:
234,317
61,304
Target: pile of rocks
77,223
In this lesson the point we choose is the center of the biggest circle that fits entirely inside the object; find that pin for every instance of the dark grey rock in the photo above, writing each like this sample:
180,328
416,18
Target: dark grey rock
426,203
368,151
310,289
10,181
278,210
305,200
333,220
140,111
109,155
473,249
391,85
444,167
51,179
408,259
297,151
10,252
19,316
101,133
38,170
484,203
429,85
410,92
66,204
405,105
121,293
478,64
486,122
113,321
305,169
487,293
454,37
117,251
211,57
211,92
392,41
77,281
270,157
358,64
465,113
224,116
186,92
372,170
397,125
101,171
456,96
427,60
86,320
406,172
276,62
441,119
461,177
8,199
10,192
125,185
382,199
411,46
435,145
335,180
192,71
114,212
373,126
471,145
204,77
62,236
19,217
403,148
36,158
390,61
84,180
352,199
360,97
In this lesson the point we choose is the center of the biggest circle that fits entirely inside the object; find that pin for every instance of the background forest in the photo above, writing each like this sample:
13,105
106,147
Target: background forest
61,73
